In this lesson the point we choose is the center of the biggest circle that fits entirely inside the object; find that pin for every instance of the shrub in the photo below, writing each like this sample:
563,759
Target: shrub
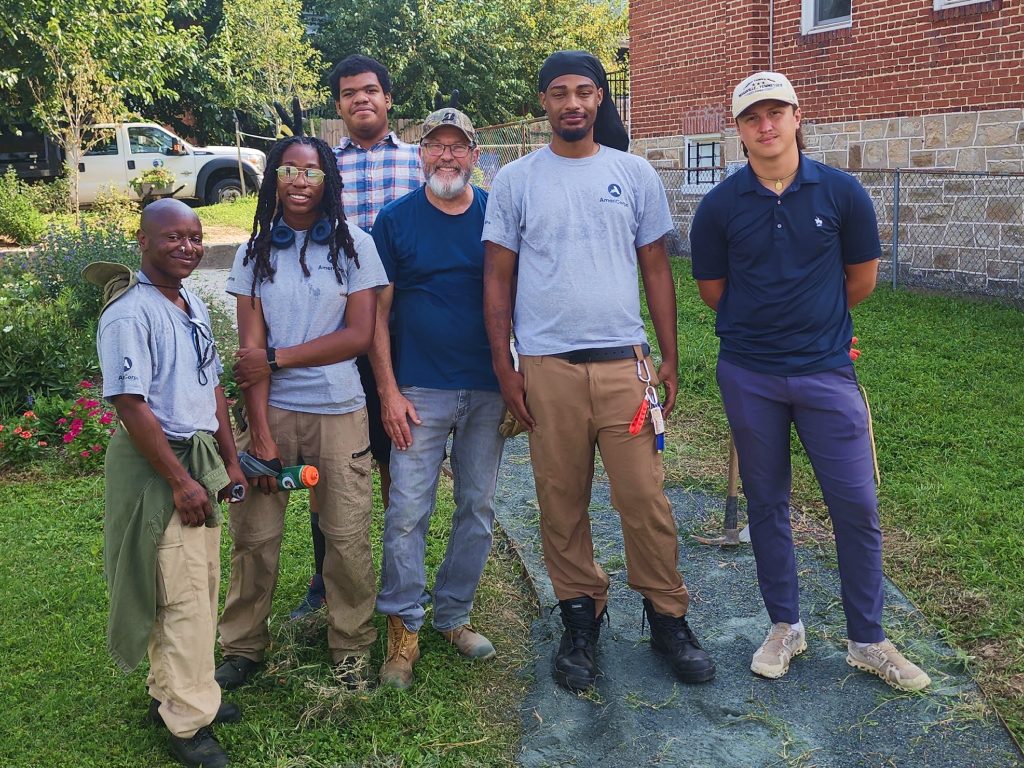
50,196
19,220
45,349
20,443
114,209
86,429
61,257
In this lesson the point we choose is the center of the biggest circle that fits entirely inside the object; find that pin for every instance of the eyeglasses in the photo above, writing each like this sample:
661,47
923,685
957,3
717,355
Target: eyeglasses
436,149
202,342
289,173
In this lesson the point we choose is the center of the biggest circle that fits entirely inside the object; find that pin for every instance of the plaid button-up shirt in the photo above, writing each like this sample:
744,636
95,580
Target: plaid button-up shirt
374,177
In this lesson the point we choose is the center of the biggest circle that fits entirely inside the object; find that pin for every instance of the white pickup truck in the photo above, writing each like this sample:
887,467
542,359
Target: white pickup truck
126,150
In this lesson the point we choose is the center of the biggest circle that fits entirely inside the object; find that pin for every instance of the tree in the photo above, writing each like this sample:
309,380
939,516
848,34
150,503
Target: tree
260,55
491,50
89,59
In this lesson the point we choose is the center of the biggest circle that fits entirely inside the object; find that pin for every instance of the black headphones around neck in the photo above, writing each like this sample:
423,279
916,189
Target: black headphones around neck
282,236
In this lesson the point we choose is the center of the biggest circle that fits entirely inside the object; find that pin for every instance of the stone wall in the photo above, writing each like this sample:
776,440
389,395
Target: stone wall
990,141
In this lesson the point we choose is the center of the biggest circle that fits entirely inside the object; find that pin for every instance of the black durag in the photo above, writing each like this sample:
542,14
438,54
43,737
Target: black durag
608,127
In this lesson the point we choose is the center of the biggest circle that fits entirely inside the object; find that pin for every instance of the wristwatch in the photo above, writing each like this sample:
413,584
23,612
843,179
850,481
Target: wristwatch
272,360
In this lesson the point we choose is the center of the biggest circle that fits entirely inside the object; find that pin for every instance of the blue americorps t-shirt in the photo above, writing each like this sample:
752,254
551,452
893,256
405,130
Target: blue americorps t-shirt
436,261
784,309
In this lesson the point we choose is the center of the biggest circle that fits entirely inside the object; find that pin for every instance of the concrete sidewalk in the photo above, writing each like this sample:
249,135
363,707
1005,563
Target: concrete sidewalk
823,713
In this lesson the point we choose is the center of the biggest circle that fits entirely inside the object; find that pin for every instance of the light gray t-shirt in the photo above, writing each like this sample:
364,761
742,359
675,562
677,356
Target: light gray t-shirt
147,346
298,309
576,225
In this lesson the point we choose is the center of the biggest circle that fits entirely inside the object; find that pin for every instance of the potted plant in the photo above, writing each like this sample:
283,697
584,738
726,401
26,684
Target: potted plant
152,183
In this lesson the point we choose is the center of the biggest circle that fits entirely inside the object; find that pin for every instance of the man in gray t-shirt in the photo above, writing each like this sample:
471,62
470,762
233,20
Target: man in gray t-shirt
570,225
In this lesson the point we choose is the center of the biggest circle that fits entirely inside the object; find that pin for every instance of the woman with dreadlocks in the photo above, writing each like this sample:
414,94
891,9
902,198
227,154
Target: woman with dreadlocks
306,288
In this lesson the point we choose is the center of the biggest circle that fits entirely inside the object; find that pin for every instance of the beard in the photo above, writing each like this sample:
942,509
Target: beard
447,189
572,134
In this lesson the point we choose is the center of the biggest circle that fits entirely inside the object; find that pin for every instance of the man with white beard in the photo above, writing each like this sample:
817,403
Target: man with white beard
441,382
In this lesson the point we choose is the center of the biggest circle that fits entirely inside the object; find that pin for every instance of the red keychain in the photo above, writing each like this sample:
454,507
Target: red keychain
641,416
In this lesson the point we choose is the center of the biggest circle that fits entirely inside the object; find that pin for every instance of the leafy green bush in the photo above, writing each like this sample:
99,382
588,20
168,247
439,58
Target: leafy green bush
60,258
50,196
114,209
44,349
19,219
49,311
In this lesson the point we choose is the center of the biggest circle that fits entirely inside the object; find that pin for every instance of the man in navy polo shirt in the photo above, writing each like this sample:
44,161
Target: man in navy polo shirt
781,251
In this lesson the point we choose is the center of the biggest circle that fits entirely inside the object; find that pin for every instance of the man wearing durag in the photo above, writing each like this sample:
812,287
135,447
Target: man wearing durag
570,225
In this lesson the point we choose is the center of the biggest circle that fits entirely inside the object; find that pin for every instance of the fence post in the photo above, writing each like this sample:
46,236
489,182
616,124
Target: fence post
895,258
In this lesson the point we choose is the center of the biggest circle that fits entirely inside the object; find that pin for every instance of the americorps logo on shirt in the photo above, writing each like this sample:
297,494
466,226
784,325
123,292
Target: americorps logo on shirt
614,192
126,365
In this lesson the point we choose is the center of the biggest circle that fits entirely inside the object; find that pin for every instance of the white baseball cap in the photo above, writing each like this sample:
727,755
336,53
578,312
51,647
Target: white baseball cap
762,86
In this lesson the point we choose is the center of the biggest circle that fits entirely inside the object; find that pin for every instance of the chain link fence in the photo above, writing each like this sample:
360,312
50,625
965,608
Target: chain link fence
949,231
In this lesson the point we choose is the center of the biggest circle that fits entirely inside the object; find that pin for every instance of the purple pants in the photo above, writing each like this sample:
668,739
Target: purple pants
832,424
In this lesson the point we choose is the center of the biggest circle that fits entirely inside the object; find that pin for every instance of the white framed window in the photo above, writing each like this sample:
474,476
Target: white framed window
703,163
939,5
826,15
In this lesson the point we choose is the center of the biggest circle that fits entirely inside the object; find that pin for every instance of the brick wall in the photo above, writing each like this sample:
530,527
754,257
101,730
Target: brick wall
897,59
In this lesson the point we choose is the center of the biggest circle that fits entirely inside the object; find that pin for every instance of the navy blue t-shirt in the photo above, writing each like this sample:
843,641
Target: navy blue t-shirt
784,308
436,262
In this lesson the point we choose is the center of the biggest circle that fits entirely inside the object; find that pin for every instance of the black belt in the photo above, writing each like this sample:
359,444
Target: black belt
601,354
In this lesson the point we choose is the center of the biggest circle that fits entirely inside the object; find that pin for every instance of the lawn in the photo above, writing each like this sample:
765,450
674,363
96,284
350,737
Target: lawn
944,377
66,705
228,222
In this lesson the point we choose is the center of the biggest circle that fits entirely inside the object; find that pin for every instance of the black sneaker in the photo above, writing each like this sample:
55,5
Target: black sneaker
672,638
235,672
201,751
575,668
226,713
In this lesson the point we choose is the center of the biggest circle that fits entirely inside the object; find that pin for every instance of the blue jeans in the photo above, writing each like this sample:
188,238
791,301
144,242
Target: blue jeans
832,424
474,415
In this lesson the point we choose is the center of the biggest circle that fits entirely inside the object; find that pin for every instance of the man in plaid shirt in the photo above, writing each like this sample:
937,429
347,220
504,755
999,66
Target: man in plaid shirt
376,167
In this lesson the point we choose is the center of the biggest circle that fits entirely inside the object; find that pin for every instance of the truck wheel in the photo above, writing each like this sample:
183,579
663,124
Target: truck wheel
224,191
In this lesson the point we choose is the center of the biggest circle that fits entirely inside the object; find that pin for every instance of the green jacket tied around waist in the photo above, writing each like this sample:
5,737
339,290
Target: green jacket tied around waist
139,505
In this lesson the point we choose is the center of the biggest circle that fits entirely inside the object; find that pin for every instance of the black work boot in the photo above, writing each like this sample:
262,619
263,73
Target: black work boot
235,672
672,639
203,750
574,663
226,713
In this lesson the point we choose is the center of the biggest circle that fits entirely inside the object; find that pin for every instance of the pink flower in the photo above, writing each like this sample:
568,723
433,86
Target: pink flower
62,422
94,411
29,414
42,443
106,418
85,454
25,434
79,401
85,384
97,448
17,430
68,437
112,431
2,427
90,403
76,426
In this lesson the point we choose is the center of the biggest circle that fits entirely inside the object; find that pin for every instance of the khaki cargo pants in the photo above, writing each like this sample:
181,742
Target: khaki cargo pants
578,407
182,638
339,447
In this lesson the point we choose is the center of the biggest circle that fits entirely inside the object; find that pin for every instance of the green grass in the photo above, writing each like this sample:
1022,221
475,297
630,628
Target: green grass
65,704
238,214
946,383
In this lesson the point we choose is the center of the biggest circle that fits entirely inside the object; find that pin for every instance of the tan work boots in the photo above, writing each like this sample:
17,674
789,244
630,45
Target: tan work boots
403,652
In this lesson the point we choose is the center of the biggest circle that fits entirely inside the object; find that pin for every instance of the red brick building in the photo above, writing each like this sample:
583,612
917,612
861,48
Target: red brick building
882,83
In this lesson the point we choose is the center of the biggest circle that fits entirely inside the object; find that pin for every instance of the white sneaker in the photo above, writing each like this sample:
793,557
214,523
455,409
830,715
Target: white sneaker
782,644
884,660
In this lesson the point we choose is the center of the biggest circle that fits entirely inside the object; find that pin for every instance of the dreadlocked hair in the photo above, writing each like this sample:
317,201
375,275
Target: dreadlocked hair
267,207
